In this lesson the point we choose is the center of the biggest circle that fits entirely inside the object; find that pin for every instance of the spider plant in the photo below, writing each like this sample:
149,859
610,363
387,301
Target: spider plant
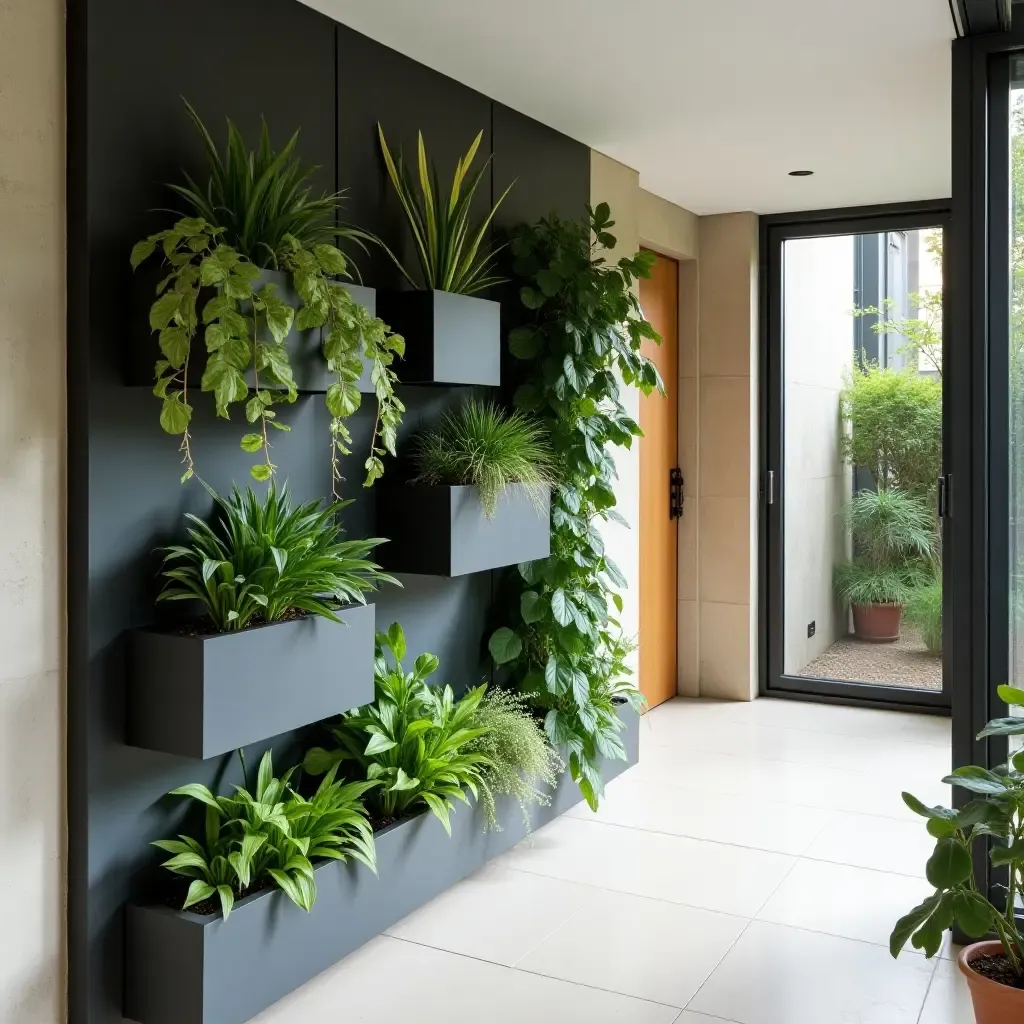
893,541
263,197
452,253
482,444
264,560
413,739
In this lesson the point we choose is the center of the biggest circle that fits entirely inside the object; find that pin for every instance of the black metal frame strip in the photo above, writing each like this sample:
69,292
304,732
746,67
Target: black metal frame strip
775,231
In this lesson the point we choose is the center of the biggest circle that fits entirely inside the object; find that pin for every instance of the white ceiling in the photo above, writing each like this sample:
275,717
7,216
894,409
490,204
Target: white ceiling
713,101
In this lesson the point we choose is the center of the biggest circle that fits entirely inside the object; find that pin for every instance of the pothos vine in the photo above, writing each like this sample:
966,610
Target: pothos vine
244,330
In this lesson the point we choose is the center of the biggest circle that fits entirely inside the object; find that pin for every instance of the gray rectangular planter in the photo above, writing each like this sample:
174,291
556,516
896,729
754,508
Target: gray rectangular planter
440,530
449,338
201,696
185,969
304,348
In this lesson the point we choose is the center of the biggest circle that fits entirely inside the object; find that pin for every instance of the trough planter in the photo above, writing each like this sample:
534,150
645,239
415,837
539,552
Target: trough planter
201,696
185,969
304,349
439,530
449,338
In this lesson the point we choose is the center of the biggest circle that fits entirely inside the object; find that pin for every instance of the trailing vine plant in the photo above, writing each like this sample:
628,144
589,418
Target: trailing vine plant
563,642
348,331
273,223
198,259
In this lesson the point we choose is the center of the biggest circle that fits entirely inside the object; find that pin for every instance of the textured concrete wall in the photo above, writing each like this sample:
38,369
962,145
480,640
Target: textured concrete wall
818,353
32,301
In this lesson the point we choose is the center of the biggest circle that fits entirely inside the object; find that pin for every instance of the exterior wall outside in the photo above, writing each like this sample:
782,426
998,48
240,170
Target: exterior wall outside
32,429
726,381
819,347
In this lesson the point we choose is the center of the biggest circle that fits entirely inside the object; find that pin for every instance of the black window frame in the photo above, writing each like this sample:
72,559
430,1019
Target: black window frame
775,231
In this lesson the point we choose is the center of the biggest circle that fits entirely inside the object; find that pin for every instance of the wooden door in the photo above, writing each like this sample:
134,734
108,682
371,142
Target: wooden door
659,299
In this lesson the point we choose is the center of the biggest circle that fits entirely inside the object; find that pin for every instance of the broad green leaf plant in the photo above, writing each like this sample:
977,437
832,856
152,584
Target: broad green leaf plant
583,334
264,560
272,837
413,740
482,444
257,213
453,253
995,813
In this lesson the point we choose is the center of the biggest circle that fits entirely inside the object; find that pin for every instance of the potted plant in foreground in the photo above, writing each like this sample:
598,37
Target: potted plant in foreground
892,539
994,969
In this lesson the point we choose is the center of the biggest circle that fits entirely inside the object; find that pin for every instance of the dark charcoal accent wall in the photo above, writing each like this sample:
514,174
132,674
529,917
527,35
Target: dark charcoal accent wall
129,62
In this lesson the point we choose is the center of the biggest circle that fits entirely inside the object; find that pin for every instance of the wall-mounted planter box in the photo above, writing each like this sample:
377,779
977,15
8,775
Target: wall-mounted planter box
201,696
304,349
442,530
449,338
186,969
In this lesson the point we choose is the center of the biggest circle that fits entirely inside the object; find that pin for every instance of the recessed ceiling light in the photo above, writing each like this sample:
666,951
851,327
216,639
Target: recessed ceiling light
800,174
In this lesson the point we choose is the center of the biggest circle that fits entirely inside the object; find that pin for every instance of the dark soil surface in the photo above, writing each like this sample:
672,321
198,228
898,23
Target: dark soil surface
206,628
211,906
997,968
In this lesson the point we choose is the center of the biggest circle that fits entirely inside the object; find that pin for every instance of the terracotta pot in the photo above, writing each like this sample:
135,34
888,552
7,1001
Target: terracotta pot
877,623
993,1003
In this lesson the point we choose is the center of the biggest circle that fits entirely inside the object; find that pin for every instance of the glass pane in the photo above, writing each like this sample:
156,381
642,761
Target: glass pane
1016,379
862,364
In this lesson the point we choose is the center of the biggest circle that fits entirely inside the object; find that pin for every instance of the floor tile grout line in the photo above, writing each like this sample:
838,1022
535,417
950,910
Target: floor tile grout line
697,839
721,961
927,991
683,787
553,931
676,835
741,846
828,732
537,974
635,895
907,818
858,773
712,910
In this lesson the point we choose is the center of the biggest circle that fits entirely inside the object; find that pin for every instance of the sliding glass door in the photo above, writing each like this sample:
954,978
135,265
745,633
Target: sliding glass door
855,490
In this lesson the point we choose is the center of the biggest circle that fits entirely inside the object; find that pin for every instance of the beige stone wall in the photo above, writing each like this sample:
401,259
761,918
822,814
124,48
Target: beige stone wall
619,186
32,290
725,381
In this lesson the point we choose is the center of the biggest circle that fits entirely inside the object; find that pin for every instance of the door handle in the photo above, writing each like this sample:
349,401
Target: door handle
675,493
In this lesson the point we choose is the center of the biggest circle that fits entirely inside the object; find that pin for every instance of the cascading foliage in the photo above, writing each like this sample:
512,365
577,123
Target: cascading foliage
563,644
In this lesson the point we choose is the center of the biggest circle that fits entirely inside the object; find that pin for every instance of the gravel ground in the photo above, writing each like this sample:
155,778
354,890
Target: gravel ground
906,662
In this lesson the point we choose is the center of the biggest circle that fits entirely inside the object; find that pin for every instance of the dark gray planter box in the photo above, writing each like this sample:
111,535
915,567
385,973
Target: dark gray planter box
201,696
304,349
449,338
186,969
442,530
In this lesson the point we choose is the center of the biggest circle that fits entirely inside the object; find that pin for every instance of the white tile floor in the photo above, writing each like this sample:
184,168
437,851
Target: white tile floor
749,869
